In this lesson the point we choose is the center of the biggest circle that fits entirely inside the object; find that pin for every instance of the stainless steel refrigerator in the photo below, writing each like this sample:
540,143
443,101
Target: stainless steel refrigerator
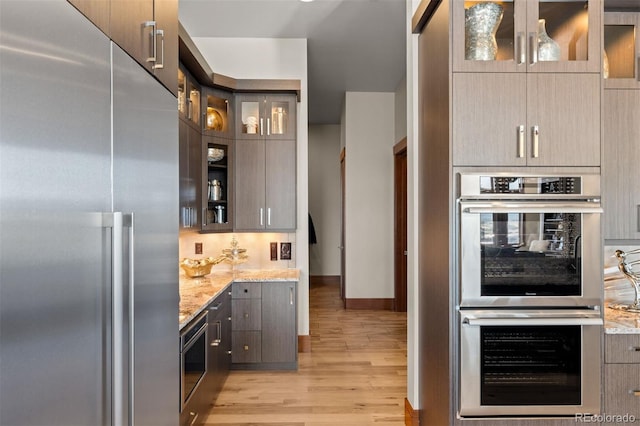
88,227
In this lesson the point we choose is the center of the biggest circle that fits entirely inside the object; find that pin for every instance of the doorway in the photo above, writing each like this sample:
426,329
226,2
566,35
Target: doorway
400,225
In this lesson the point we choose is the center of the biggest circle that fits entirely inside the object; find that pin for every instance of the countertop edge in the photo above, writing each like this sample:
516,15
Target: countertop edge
621,322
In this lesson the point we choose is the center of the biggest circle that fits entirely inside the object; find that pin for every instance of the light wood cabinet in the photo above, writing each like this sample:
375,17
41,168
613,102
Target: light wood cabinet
620,171
622,375
622,50
511,119
574,25
264,325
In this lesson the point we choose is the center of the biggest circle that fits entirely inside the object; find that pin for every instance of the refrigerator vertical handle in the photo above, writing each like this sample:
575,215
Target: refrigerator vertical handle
117,308
129,222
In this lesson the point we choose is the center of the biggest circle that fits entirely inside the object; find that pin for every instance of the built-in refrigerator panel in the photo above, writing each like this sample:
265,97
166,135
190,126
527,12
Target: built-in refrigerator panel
54,184
85,133
145,183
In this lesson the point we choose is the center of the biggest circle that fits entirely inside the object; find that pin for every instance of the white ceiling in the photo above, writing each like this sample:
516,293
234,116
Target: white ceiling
352,45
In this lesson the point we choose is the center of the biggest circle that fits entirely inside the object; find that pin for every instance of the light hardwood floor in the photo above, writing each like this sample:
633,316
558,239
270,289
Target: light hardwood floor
354,375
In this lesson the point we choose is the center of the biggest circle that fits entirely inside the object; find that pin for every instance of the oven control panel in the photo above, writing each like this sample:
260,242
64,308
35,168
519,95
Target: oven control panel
529,185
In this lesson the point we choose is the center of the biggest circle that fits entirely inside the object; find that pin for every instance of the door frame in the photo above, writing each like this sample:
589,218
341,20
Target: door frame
400,225
343,269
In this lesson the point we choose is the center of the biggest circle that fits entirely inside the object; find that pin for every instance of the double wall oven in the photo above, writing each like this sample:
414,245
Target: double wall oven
530,294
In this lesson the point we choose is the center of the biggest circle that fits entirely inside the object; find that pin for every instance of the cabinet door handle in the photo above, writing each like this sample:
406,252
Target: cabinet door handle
533,48
291,295
535,131
261,126
194,417
268,127
269,216
521,54
154,44
159,66
204,216
261,216
521,141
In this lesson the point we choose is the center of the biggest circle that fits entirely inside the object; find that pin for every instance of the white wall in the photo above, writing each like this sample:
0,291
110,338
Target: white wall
260,58
400,106
369,137
324,198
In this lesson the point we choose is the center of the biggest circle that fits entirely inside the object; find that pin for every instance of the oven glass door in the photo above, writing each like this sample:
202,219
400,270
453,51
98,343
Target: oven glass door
529,363
194,363
522,252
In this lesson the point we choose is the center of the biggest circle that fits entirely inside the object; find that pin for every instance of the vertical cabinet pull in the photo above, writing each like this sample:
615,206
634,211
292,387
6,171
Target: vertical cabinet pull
291,295
269,216
521,54
533,48
159,65
154,44
261,126
261,216
268,127
535,132
521,141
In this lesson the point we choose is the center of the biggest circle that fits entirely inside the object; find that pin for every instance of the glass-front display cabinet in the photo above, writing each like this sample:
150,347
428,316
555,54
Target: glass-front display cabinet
527,35
217,112
621,56
188,97
266,117
217,184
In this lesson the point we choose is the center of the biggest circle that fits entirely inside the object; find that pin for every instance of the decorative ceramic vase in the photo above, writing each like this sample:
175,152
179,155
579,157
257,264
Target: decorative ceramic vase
548,49
481,23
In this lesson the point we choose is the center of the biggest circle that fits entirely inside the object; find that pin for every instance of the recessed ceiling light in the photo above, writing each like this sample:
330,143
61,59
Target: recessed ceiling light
306,1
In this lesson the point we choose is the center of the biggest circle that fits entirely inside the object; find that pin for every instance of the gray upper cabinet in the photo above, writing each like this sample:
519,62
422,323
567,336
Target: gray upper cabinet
217,113
621,156
622,52
265,116
575,25
265,165
544,119
146,29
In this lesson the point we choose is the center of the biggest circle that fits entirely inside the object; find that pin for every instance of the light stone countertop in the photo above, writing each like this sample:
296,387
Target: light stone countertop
197,293
621,322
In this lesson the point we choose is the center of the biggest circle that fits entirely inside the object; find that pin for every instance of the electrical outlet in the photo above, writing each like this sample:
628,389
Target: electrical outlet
198,248
285,251
274,251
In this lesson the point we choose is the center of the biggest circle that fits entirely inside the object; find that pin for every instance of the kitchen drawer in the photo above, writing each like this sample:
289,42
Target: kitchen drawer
248,290
622,389
622,348
246,346
246,314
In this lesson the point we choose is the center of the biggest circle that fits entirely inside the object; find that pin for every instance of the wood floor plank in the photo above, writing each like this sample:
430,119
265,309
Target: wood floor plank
354,375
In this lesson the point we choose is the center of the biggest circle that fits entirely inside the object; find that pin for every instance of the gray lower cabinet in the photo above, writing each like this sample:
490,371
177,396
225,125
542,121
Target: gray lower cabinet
620,159
264,325
218,361
622,375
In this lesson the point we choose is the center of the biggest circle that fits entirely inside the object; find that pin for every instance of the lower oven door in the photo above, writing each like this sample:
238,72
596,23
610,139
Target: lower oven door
526,363
530,253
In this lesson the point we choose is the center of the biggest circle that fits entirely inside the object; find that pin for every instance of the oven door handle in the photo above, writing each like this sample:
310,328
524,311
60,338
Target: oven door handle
475,322
503,207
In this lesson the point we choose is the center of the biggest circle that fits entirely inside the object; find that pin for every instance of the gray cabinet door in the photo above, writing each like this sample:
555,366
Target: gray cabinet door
246,314
280,184
620,159
128,30
250,185
190,153
165,13
488,110
621,381
566,109
279,335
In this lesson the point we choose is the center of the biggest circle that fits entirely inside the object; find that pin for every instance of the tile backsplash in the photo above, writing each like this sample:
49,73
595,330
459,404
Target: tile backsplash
257,246
617,289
